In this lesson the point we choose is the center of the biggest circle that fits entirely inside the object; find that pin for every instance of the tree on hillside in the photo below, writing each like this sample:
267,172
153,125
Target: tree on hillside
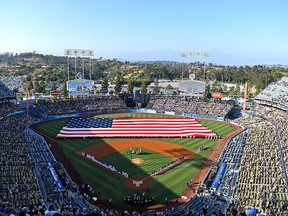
118,85
156,87
21,96
169,86
104,84
237,90
63,90
47,68
30,85
207,93
37,87
143,87
53,86
130,87
232,91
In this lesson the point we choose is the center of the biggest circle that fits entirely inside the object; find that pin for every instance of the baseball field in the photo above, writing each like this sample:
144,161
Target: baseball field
149,154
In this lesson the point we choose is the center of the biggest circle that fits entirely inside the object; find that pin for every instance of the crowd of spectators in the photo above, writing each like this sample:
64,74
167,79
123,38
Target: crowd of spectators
261,182
231,156
279,119
17,181
177,104
82,105
7,106
40,155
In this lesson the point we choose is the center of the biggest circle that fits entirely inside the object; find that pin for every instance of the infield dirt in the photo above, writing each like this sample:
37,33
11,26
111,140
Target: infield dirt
166,148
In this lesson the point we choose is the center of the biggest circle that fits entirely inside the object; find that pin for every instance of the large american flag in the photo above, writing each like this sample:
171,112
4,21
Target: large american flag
134,127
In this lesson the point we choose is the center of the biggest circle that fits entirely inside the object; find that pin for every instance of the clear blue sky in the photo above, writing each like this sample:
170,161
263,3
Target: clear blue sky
245,28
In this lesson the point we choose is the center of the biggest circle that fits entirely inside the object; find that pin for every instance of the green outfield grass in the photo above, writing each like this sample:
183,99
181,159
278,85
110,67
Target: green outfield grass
220,128
170,184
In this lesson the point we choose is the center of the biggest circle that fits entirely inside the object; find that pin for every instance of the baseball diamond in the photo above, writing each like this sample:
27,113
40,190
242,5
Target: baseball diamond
168,183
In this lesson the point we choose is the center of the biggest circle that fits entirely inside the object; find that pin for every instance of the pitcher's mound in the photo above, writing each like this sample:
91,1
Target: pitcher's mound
137,161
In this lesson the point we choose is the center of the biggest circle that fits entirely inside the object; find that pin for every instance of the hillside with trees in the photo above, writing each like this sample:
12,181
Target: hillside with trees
50,71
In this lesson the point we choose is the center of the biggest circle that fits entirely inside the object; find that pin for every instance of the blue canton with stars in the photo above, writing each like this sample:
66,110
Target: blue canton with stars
90,123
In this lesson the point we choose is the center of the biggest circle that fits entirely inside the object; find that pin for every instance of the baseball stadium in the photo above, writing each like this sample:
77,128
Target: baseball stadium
172,157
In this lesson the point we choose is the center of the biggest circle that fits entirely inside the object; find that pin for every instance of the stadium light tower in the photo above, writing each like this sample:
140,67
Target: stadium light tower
200,54
75,52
